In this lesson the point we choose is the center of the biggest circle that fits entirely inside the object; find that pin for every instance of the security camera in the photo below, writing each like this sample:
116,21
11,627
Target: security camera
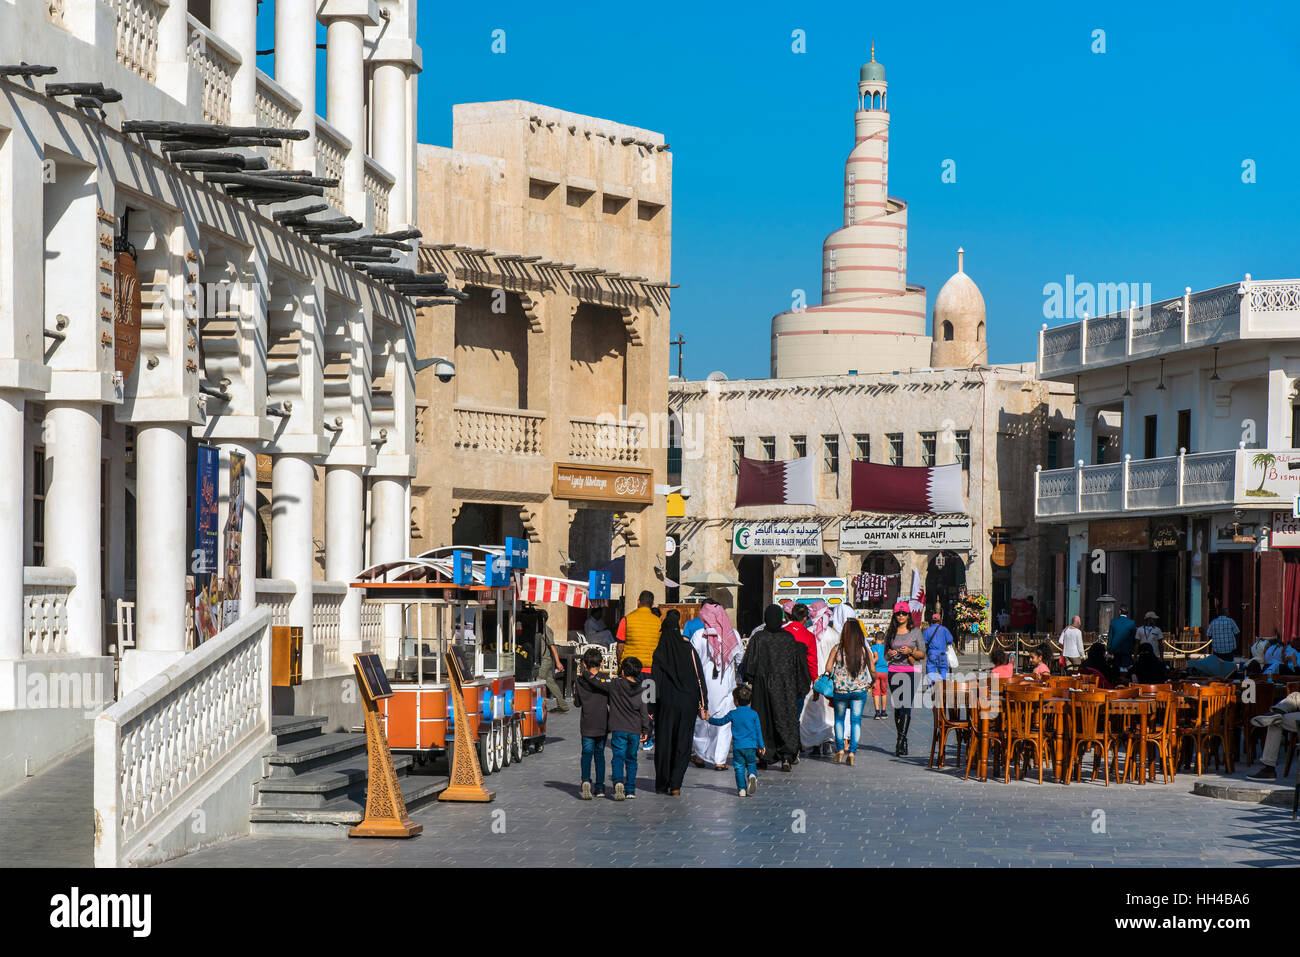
684,492
445,370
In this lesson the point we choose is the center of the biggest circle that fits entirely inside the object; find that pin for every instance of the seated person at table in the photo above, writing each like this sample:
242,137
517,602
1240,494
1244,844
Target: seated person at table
1094,663
1212,666
1283,716
1038,661
1148,669
1280,658
1001,663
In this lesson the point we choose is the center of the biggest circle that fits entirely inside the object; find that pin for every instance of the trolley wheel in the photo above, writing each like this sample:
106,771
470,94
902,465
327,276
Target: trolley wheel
485,752
517,741
499,746
507,755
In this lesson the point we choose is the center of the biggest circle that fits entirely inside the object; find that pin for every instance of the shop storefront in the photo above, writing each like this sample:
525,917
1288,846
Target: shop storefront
757,548
936,548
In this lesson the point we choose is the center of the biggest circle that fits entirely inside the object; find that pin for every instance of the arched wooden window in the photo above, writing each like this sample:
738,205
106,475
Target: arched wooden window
947,331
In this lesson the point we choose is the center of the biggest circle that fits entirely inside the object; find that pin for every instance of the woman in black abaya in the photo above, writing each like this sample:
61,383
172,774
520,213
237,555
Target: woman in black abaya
776,664
679,693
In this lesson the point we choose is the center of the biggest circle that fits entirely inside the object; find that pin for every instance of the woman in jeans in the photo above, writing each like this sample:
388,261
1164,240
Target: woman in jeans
904,649
851,671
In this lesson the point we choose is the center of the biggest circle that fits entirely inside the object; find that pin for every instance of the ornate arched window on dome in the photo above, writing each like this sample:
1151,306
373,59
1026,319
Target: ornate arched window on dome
947,331
979,332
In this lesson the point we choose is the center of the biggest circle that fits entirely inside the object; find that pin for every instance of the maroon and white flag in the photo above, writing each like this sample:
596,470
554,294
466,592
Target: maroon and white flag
776,483
935,489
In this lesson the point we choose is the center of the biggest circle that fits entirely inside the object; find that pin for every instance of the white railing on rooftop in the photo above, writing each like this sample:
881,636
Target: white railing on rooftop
167,742
137,36
279,109
45,610
216,63
1225,312
331,147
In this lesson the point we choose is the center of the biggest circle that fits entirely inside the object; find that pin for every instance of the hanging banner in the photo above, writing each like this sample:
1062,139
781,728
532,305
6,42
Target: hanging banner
126,313
207,610
906,534
776,538
234,545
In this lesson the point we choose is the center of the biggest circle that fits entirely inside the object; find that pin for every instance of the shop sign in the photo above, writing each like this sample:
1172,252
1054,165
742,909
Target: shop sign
462,568
598,585
906,534
1004,555
777,538
1120,534
670,547
1229,534
496,571
600,483
1286,531
1166,535
126,314
1266,474
517,551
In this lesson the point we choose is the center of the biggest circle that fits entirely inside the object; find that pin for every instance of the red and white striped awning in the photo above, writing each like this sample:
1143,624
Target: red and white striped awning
539,588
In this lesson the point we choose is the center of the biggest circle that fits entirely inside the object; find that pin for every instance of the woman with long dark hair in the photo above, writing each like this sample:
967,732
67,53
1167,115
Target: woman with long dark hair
680,698
903,649
851,671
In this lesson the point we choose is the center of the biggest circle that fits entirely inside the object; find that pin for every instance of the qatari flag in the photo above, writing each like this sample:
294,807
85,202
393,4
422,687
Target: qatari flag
905,488
776,483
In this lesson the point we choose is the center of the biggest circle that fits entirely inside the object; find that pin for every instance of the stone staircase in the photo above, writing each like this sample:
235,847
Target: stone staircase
314,784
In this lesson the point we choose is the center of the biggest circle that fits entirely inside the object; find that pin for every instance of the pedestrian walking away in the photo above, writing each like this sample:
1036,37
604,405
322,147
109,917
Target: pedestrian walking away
594,723
717,645
629,722
776,666
550,665
852,674
747,733
679,698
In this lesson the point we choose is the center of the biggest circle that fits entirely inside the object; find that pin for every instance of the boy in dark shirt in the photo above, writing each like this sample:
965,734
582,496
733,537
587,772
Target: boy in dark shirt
593,725
746,739
629,722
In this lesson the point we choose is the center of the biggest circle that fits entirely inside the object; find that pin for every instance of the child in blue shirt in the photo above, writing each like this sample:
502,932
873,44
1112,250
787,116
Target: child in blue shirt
746,739
880,689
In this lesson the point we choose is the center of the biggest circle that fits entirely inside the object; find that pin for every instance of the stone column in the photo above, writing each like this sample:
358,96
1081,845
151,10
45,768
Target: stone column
293,479
344,537
12,450
72,516
295,68
344,90
390,526
235,21
161,559
389,143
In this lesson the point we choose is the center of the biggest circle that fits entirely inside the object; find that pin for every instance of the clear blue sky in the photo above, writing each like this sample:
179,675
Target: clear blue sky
1117,167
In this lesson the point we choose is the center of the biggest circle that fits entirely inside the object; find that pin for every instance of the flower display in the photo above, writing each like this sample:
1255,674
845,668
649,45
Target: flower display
972,614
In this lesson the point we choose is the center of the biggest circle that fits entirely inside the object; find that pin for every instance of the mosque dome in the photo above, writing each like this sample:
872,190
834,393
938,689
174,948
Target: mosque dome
872,72
958,322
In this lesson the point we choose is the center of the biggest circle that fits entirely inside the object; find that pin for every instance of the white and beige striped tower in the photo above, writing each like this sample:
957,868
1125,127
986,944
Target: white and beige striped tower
870,319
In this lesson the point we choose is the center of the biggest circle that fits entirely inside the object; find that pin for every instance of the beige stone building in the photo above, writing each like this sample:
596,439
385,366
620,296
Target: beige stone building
559,228
998,421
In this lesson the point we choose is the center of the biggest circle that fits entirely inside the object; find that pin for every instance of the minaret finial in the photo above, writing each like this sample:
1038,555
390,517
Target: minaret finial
961,255
873,51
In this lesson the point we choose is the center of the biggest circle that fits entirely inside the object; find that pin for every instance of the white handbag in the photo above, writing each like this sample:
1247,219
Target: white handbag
953,663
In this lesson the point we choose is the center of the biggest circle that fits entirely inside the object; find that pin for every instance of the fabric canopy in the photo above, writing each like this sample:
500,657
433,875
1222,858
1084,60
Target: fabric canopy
539,588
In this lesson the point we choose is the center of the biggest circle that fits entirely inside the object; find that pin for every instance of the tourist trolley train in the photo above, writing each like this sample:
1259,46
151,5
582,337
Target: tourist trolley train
463,600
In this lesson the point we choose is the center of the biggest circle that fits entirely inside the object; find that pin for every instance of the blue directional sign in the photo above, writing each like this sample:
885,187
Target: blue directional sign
598,586
517,550
462,568
496,571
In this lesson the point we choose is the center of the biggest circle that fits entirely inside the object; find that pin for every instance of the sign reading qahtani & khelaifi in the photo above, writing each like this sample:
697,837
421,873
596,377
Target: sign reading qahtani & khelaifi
776,538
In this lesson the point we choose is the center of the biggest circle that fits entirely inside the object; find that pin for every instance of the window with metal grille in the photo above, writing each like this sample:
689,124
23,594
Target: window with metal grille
929,446
1053,449
963,449
737,453
895,440
768,445
830,453
798,446
862,447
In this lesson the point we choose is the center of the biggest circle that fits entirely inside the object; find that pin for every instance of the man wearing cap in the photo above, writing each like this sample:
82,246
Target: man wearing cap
1150,633
937,639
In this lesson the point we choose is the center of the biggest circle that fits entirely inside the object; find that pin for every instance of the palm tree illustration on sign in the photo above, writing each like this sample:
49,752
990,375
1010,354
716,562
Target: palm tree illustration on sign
1263,461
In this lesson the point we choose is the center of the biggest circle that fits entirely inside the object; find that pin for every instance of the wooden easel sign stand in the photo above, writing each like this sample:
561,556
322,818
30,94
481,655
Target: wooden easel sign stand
385,809
466,776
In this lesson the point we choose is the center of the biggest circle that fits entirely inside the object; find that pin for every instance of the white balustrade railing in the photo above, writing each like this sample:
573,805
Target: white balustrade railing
601,441
276,594
137,36
45,610
509,431
372,623
278,109
1144,485
216,63
331,147
163,746
326,603
378,183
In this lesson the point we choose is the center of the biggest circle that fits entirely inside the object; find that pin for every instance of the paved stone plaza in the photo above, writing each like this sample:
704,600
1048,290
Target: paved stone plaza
885,811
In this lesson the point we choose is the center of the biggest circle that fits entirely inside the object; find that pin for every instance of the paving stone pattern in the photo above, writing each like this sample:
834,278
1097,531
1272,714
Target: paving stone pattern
883,812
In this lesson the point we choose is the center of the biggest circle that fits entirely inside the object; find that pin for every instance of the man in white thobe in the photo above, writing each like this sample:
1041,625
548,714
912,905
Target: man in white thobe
718,645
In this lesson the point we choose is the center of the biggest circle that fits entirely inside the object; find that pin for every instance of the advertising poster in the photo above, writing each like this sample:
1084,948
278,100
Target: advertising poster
234,540
206,587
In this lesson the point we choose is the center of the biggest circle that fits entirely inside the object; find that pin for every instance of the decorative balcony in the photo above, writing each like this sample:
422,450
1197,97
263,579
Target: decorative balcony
506,431
137,36
277,108
331,147
216,64
378,183
1238,478
1250,309
326,603
45,610
597,440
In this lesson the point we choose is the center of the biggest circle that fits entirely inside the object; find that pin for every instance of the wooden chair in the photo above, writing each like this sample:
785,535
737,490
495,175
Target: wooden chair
1024,726
1266,695
953,702
1089,728
1089,681
984,701
1151,691
1124,730
1210,724
1162,736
